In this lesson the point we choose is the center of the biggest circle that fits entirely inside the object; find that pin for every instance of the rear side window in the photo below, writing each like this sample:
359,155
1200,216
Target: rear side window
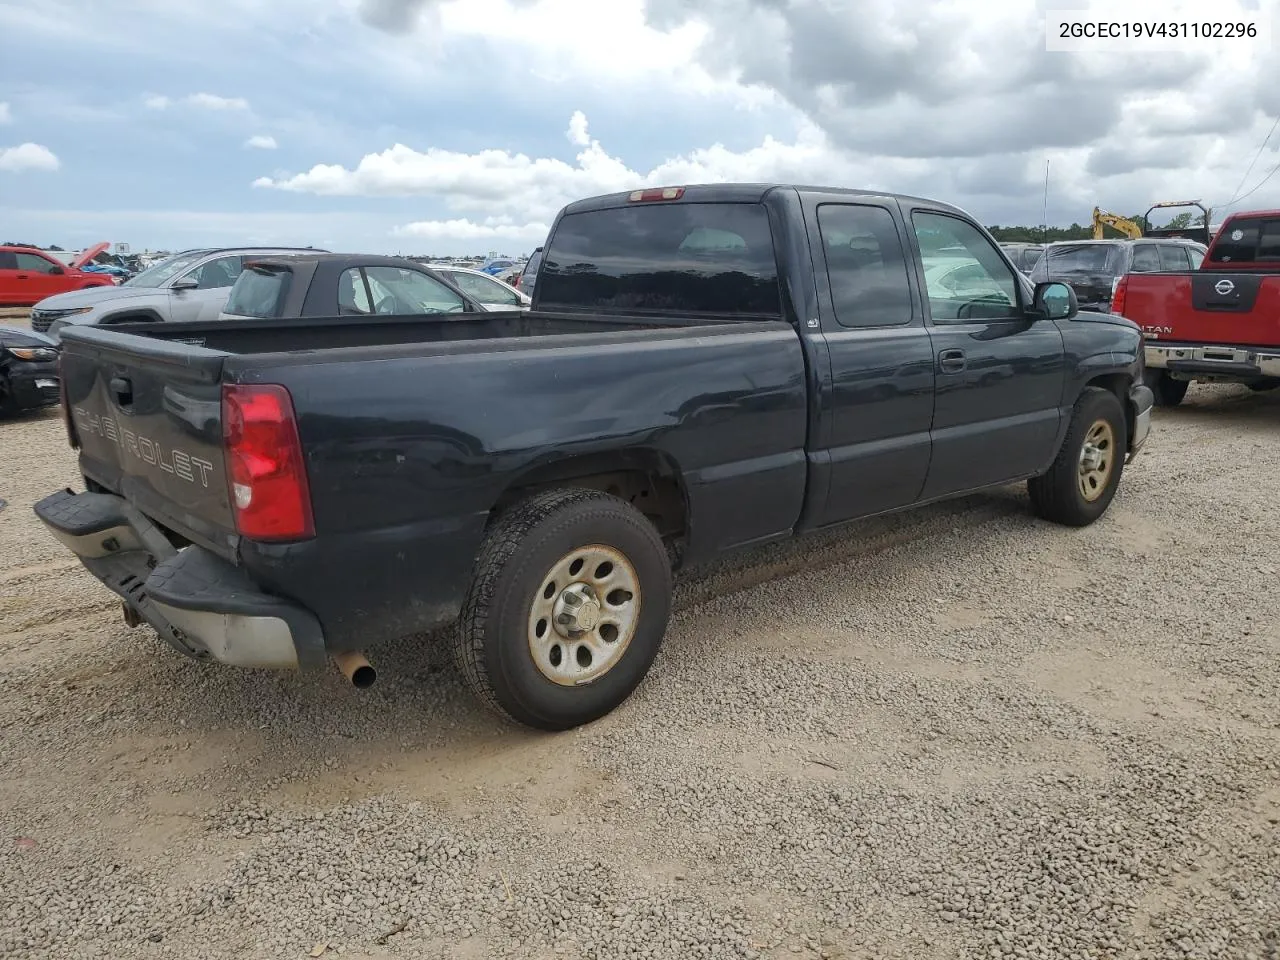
1145,259
258,293
1174,258
1247,241
683,258
8,260
866,265
1084,258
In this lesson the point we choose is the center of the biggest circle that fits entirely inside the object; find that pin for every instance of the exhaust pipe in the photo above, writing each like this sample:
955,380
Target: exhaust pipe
356,668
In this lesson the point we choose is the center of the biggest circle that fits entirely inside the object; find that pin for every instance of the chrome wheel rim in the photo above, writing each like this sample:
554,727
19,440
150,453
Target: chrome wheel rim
1097,459
584,615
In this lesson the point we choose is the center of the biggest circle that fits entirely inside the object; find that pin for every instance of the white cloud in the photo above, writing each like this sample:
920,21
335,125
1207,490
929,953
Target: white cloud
212,101
27,156
207,101
462,231
6,115
577,132
261,142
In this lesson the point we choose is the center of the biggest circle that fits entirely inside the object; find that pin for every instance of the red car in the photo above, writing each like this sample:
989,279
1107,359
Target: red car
28,275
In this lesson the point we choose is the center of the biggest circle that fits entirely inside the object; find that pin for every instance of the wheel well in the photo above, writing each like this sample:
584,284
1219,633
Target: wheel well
646,479
144,316
1117,384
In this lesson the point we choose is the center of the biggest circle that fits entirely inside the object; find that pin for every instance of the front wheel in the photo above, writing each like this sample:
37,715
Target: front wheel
1082,482
568,605
1169,392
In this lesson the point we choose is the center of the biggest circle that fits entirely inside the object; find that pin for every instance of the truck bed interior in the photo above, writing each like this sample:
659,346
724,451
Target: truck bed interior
322,333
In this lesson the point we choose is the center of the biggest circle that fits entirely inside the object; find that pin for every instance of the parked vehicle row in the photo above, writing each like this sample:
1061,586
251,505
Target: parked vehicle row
209,284
702,369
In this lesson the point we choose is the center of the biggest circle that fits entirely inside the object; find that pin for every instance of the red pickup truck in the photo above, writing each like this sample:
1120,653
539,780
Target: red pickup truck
1218,323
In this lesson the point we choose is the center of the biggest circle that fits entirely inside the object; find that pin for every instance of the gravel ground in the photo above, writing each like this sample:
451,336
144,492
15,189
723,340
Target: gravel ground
954,733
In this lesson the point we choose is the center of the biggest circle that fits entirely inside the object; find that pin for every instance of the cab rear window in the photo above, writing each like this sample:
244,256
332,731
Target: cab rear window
258,292
671,258
1247,241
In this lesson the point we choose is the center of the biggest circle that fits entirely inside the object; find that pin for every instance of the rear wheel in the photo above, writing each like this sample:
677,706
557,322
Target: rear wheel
1082,482
567,608
1169,392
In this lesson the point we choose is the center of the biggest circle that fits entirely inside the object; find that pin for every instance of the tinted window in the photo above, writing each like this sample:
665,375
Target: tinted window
216,274
1173,258
1083,258
353,296
866,266
8,260
1248,241
1030,256
965,275
399,290
258,293
35,263
484,289
689,258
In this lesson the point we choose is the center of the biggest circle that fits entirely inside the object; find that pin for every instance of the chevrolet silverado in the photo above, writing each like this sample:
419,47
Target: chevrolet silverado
704,368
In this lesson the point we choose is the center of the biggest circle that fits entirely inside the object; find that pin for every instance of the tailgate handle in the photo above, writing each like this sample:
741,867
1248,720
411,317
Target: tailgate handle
122,390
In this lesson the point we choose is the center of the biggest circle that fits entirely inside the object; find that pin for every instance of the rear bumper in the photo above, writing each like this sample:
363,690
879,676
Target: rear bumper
198,603
1192,361
1141,400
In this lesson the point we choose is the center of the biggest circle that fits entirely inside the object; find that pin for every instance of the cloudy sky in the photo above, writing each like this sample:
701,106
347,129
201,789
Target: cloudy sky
456,126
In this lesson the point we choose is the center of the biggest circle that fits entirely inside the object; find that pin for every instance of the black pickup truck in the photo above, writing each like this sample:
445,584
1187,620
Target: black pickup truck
704,368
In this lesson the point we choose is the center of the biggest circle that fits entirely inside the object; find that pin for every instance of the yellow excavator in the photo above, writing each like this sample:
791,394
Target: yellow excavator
1123,224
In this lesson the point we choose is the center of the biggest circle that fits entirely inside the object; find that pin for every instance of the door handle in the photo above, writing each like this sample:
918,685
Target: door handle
122,390
951,361
24,276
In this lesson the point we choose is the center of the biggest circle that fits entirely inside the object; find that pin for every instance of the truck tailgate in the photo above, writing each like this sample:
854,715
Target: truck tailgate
147,414
1211,307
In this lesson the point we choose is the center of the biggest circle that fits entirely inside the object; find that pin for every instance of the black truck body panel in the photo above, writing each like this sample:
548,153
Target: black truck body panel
414,430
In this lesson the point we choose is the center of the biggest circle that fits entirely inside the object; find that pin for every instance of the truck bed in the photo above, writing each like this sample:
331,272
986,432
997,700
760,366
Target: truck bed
413,430
326,333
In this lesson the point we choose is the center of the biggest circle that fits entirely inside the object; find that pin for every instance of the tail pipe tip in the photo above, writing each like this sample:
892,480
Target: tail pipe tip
356,668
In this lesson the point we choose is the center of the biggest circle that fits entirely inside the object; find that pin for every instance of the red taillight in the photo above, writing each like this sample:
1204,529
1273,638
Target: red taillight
657,193
265,467
1118,297
66,406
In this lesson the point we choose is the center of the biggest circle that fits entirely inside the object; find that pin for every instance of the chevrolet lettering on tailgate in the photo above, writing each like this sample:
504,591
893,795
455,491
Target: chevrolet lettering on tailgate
173,461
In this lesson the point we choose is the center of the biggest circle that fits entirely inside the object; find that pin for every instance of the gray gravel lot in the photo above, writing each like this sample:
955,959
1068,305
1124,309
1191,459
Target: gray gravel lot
954,733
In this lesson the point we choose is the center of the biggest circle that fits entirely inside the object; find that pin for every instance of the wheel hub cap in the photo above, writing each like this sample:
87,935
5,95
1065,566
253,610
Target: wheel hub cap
584,615
1097,460
577,610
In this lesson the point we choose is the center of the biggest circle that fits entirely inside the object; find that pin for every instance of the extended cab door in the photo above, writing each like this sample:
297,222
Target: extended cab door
877,403
1000,371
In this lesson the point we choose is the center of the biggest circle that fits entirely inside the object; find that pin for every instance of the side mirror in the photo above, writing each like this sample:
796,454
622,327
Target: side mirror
1055,301
56,271
186,283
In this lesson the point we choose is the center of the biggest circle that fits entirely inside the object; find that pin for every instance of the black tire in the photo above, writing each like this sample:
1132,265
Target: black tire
1169,392
1267,383
1056,495
492,646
